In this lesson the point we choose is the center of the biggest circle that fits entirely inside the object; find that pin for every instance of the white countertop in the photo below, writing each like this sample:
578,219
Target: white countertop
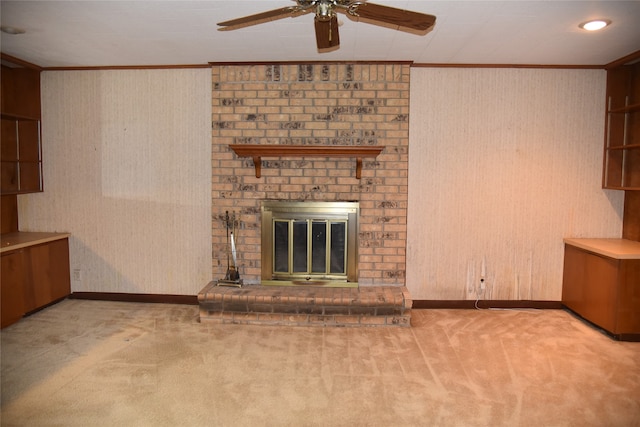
23,239
612,248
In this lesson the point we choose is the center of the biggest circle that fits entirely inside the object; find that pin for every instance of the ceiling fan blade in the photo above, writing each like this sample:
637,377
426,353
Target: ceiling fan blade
327,37
260,18
402,19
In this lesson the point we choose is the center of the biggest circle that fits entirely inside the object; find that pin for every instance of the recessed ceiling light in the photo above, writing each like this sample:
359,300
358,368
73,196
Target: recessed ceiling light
595,25
11,30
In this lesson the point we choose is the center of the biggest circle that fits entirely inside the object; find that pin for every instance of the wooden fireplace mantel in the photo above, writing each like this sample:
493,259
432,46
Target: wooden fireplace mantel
258,151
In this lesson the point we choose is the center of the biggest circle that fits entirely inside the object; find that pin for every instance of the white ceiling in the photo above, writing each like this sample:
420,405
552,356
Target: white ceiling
140,33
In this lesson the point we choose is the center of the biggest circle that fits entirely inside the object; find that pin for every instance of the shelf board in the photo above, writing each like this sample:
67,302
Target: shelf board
11,116
614,187
258,151
627,109
625,147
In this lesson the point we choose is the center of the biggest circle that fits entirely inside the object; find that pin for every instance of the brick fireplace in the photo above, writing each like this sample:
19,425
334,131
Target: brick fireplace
314,104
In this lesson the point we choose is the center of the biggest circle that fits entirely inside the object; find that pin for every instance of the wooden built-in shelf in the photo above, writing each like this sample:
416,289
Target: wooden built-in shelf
621,166
626,109
258,151
624,147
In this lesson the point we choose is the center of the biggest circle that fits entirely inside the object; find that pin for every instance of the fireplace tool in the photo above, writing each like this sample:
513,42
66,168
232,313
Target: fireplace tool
232,278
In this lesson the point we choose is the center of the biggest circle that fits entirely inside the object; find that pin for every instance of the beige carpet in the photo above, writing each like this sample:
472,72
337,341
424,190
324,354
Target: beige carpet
93,363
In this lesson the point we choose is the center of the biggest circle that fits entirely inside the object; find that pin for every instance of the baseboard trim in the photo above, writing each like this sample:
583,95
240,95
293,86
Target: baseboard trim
633,337
472,304
125,297
627,337
417,304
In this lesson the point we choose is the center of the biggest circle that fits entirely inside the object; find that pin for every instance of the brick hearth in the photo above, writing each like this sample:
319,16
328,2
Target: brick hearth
306,305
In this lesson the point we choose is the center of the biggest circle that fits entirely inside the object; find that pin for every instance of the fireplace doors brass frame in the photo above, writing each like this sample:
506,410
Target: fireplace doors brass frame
273,211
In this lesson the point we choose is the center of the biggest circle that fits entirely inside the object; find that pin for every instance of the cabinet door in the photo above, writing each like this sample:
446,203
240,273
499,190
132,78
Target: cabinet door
628,321
49,274
12,285
574,274
602,290
20,92
590,286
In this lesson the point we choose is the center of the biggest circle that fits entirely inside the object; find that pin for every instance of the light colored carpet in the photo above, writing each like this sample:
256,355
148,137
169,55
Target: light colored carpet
94,363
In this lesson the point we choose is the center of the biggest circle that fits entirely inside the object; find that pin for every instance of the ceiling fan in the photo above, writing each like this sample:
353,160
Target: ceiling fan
326,20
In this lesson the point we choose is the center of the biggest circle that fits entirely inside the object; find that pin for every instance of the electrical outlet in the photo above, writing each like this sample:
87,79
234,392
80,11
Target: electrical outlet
77,275
483,284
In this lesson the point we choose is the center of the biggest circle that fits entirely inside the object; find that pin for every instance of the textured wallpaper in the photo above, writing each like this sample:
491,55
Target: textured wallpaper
503,163
127,172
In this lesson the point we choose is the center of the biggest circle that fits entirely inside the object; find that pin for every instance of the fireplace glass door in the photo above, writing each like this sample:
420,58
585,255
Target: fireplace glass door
310,247
309,241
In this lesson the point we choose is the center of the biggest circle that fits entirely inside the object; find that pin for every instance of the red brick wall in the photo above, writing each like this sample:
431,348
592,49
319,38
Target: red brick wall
315,104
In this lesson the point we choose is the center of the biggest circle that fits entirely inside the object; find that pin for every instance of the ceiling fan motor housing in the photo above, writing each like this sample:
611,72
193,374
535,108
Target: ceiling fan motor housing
324,11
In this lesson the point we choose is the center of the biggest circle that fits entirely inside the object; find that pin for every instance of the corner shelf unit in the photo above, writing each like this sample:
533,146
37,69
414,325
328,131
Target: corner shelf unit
622,135
258,151
20,137
21,155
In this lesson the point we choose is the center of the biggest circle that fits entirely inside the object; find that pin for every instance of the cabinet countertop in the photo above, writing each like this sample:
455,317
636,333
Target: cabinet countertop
23,239
612,248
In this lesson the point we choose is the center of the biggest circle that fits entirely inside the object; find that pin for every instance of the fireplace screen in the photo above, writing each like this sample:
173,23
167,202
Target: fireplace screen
309,241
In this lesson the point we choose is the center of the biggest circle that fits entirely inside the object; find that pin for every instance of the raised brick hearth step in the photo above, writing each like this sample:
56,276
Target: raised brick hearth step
306,305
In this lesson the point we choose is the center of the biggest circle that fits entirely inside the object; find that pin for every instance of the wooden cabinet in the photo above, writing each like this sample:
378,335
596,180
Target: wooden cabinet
622,137
21,154
604,286
33,276
20,91
49,275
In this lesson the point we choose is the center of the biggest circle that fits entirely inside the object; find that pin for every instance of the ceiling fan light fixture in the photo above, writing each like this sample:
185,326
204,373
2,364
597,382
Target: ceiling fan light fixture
595,24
